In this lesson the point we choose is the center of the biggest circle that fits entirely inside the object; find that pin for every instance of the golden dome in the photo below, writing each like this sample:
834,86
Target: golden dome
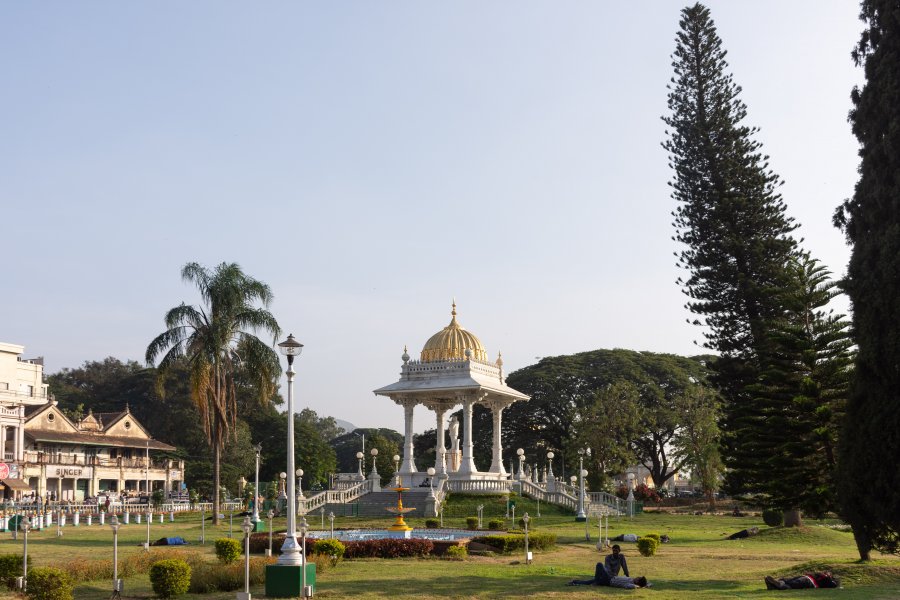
451,343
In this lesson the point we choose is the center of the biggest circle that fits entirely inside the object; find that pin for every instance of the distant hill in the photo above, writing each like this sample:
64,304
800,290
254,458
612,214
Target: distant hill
347,426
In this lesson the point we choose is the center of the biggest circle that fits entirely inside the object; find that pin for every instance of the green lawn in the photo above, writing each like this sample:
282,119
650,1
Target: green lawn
698,563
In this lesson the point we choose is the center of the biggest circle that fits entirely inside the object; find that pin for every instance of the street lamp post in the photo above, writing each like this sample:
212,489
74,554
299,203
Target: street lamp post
304,593
331,520
25,525
359,458
247,527
117,583
299,484
258,449
630,498
525,519
289,551
521,453
271,516
202,524
149,519
581,454
397,469
374,453
431,473
550,457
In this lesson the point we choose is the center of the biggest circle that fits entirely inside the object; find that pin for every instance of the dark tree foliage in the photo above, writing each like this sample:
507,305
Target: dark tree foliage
387,441
804,391
571,401
871,221
731,221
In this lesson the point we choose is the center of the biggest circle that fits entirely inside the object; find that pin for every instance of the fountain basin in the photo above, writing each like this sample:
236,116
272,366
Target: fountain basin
355,535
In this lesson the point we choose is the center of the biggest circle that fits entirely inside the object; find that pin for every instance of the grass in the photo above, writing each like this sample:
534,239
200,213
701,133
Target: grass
698,563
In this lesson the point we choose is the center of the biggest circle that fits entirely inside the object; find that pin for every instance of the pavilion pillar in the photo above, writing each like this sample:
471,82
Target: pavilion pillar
408,466
496,450
440,465
467,466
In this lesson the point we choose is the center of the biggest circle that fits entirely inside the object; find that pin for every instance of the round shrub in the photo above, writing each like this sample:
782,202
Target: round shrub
331,548
496,524
472,522
773,517
647,546
655,536
228,550
49,583
456,552
170,577
432,523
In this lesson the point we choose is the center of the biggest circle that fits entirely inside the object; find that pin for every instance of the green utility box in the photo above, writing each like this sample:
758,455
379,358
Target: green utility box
286,581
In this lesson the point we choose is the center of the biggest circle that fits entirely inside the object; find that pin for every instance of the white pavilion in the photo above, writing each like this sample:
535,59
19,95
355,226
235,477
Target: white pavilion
453,370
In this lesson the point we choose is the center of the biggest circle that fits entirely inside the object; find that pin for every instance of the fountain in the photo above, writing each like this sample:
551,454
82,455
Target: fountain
399,523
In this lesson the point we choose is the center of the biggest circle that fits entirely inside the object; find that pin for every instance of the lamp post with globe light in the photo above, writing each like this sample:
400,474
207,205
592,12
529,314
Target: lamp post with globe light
247,527
300,483
396,458
359,458
521,454
582,452
630,499
525,520
117,583
255,518
282,577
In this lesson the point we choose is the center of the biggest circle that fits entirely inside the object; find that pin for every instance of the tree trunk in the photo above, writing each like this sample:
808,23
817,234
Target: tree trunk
711,500
217,459
863,544
792,518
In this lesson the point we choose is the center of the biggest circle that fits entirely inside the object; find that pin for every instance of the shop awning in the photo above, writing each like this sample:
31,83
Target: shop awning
16,484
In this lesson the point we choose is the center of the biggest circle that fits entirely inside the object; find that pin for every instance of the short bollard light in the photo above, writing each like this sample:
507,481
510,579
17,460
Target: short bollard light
271,516
331,518
117,583
246,527
322,514
525,520
149,520
202,524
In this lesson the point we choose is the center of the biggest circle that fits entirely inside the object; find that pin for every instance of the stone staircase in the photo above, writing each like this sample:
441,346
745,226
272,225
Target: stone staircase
374,504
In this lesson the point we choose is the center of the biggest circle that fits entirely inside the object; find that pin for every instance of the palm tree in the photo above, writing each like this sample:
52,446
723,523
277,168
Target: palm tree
214,341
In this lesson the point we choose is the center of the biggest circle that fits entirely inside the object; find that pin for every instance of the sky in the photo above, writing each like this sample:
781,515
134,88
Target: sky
371,161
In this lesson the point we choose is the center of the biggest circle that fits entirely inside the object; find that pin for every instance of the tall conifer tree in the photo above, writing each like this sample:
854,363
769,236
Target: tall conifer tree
736,234
870,478
804,392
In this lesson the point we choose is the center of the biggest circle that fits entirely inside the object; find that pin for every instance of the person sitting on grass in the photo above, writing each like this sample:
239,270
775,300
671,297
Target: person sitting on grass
602,576
613,562
808,581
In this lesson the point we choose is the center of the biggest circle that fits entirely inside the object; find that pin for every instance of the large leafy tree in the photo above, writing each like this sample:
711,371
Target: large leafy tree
871,221
696,442
573,396
214,340
734,230
804,391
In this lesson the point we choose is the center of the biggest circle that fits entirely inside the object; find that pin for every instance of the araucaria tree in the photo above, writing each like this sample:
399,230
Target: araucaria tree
736,236
214,340
869,477
803,392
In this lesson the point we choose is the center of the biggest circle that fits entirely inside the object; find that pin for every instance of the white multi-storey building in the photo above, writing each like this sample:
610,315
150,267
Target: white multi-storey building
47,454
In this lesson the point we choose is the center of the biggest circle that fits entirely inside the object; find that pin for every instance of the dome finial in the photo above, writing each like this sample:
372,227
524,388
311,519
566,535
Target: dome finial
405,356
453,312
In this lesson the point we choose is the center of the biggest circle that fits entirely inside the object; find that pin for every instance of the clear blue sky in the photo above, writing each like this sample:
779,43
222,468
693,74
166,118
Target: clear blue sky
372,160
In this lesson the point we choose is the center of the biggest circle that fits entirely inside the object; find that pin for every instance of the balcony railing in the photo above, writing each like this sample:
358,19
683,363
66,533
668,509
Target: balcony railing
54,458
17,395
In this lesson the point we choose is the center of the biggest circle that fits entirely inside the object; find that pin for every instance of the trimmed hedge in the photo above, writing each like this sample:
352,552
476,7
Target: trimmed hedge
496,524
647,546
389,548
170,577
472,522
511,542
49,583
228,550
655,536
207,577
432,523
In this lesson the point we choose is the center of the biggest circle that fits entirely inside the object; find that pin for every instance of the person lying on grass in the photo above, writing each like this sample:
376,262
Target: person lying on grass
810,580
603,577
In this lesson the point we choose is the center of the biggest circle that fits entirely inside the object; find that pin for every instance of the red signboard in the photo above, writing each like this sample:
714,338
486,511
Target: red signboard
4,470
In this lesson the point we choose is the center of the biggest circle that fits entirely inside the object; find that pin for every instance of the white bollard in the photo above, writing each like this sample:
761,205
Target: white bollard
161,518
137,518
125,517
48,519
90,518
76,518
103,518
171,516
62,520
